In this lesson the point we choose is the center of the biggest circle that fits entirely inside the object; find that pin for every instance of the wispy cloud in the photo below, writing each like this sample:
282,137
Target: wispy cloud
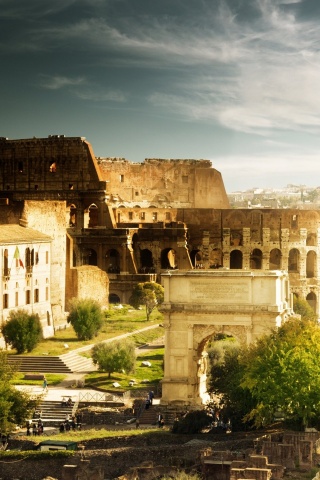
81,88
95,95
58,82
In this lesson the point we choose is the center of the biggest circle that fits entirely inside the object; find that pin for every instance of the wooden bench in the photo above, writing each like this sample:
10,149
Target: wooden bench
33,376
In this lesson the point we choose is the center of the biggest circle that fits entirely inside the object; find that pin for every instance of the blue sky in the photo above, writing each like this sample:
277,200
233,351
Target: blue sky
233,81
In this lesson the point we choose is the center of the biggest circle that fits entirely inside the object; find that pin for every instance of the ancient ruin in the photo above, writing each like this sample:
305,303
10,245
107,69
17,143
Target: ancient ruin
114,223
200,304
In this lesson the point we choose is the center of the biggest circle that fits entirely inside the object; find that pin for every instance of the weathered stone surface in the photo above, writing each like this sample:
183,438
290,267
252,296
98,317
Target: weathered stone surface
201,303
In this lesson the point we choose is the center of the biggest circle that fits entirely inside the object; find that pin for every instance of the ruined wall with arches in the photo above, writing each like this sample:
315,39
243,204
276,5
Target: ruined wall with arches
200,304
267,239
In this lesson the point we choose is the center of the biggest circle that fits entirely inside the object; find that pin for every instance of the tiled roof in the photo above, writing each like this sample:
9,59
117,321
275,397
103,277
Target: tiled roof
11,234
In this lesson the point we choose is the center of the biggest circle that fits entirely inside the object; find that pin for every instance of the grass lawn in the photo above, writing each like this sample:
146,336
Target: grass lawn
144,377
117,322
53,379
91,434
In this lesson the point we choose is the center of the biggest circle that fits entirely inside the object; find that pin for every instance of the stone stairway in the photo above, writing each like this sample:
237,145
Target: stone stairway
67,363
53,413
148,416
77,362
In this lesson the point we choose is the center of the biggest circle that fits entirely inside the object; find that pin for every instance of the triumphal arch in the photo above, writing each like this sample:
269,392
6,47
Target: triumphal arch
199,304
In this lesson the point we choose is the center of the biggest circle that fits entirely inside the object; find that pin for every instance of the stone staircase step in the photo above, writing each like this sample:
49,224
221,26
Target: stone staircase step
66,363
78,363
148,416
53,413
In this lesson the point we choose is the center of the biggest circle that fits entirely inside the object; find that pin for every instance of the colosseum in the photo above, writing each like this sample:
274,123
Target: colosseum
116,223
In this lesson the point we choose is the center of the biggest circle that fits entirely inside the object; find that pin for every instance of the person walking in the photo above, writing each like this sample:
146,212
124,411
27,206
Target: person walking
45,384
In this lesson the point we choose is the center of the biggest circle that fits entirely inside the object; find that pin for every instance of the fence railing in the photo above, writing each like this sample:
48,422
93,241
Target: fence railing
96,397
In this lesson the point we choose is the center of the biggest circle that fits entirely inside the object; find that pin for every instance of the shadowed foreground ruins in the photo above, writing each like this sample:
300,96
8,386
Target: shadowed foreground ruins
215,457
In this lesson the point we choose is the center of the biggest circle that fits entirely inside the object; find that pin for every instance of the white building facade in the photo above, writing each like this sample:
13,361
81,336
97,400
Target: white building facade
25,274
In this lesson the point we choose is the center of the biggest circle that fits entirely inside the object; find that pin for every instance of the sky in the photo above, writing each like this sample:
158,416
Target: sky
236,82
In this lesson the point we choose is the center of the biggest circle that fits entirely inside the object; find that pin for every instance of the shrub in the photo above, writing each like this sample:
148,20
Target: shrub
116,356
22,331
192,422
86,317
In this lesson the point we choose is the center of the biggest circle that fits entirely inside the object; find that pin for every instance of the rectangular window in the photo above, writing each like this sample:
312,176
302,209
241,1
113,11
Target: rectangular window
294,221
47,257
143,215
36,295
154,216
184,178
47,294
130,215
27,297
17,298
168,216
121,178
5,300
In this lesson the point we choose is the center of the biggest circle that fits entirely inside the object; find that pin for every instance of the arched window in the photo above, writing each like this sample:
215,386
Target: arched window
72,216
256,259
312,300
236,259
311,240
168,258
113,261
294,261
146,261
91,257
311,264
93,216
114,298
196,259
215,258
275,259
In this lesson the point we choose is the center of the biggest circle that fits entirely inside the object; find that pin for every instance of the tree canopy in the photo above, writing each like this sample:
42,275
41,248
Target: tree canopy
15,406
224,378
150,294
22,330
115,356
282,372
86,317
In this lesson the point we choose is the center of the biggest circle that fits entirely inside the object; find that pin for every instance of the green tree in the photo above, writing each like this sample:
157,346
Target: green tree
86,317
282,372
22,331
15,406
116,356
224,378
303,308
150,294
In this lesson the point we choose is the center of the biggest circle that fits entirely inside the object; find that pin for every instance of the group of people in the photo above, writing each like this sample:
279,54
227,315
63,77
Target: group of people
219,422
66,402
35,427
73,423
149,399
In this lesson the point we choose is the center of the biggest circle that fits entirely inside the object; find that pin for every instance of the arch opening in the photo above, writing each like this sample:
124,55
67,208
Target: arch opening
236,259
168,258
312,300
